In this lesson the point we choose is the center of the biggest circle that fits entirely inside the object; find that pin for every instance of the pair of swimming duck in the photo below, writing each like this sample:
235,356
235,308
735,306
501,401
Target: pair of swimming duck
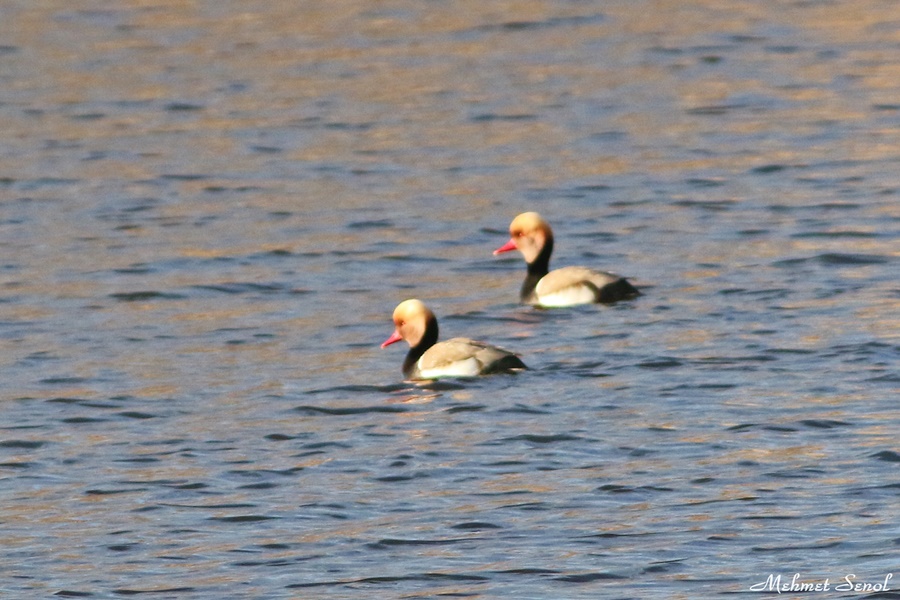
462,357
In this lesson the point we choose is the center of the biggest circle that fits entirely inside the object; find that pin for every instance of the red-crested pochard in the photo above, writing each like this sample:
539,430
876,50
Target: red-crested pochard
531,235
430,359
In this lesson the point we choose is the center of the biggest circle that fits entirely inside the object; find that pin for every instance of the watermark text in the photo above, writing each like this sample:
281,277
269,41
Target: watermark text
847,583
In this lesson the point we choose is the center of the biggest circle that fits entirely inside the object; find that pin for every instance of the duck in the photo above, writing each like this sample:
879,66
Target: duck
531,235
459,357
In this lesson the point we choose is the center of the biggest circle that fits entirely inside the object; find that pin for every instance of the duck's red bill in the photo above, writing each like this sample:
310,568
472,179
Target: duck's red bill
510,245
395,337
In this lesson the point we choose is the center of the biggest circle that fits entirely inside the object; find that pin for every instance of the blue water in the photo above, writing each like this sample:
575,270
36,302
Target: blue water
209,211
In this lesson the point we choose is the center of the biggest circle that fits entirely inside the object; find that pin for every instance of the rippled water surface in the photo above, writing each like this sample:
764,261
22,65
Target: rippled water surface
208,211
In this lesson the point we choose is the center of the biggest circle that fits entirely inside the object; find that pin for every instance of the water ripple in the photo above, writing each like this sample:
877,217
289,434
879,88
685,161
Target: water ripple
349,410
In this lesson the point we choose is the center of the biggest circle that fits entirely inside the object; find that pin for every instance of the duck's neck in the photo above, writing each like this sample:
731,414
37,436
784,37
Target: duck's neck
539,267
428,340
